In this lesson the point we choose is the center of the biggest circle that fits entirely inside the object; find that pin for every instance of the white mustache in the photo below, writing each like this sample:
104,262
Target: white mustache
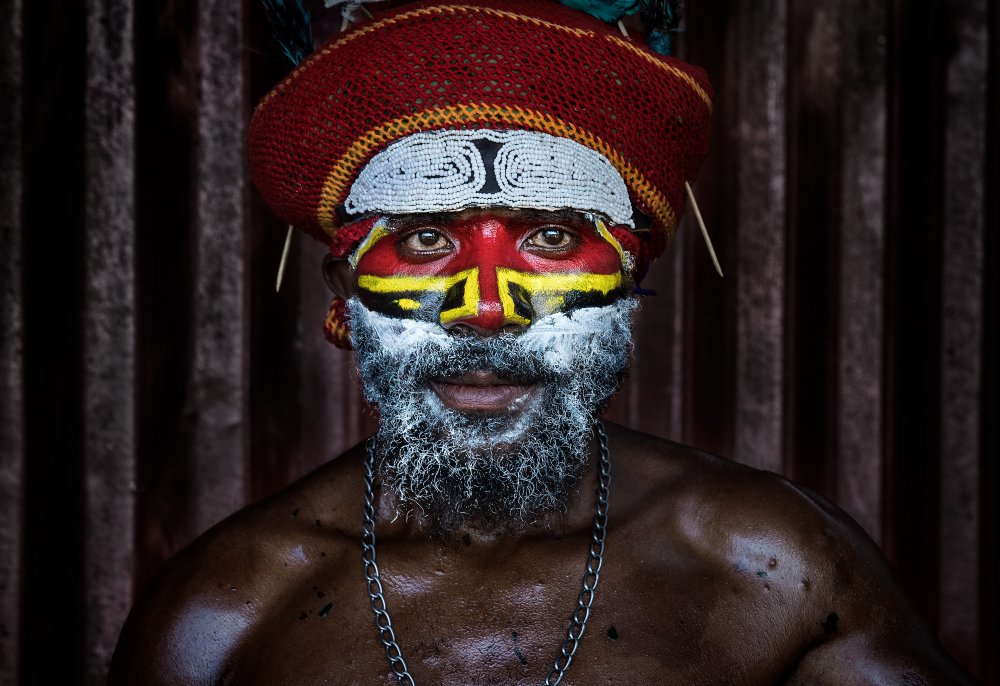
558,339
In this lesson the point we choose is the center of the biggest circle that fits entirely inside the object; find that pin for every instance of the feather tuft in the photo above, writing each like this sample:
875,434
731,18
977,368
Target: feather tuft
349,13
663,18
291,28
605,10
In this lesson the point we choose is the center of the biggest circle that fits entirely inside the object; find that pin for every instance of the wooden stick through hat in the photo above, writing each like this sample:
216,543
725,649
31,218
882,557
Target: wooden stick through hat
704,229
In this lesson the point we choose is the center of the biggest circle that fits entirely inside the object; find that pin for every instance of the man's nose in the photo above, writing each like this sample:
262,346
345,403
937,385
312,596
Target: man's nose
490,316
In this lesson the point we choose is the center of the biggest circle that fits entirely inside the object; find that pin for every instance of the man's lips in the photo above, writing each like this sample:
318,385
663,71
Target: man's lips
482,391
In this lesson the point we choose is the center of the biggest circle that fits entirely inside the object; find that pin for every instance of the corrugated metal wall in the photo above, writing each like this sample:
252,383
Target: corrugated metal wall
151,381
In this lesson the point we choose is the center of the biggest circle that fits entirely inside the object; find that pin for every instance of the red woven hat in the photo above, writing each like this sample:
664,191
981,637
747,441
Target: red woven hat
480,64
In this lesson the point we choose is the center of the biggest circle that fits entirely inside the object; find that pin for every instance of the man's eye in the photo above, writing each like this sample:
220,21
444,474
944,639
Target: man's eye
550,238
425,241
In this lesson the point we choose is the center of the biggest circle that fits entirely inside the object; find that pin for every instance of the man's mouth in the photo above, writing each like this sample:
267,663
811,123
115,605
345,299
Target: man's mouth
483,391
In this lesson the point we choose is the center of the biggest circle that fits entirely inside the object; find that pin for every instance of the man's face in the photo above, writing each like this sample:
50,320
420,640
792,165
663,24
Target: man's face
488,270
489,340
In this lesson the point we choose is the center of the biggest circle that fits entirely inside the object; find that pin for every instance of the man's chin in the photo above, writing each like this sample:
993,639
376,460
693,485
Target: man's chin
485,424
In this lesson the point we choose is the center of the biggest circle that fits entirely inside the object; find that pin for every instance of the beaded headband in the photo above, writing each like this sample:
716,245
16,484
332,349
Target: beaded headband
448,171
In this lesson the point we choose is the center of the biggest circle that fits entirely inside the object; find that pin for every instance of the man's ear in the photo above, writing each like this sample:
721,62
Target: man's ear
339,276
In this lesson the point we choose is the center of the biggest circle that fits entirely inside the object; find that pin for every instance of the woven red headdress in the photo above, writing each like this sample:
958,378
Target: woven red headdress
481,64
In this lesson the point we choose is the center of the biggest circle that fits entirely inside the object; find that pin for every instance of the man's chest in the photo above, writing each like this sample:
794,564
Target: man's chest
505,623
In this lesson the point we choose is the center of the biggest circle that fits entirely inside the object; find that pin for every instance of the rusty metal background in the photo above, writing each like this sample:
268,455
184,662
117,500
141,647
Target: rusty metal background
12,449
151,381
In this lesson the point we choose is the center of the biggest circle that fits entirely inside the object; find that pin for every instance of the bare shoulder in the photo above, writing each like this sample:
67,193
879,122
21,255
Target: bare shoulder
210,597
788,554
741,520
724,508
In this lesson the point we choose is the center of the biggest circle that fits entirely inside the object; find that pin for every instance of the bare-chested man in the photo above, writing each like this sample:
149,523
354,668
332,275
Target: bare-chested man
487,231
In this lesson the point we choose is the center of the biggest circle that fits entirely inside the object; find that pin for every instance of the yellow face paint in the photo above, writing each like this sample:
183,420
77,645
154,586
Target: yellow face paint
378,232
602,230
409,305
490,270
420,294
524,294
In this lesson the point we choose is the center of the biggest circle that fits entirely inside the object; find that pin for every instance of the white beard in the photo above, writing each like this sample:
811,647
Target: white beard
502,470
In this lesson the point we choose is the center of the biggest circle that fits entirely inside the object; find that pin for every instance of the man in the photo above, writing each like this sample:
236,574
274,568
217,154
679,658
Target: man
493,180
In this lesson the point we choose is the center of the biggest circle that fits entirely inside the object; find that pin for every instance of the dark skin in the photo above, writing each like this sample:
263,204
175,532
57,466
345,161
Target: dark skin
715,573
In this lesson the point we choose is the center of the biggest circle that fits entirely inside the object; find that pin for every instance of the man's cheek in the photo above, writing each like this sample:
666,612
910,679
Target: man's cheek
436,298
522,297
527,296
489,284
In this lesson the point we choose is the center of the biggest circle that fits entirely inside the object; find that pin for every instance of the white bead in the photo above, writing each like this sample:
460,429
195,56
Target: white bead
443,171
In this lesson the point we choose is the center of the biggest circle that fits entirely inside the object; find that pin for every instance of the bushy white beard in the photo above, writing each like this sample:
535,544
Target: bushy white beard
500,469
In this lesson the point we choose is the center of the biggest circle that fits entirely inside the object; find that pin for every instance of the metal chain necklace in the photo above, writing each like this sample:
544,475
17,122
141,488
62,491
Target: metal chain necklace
581,613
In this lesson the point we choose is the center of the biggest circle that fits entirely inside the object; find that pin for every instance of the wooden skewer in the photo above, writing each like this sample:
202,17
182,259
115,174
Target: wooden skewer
344,25
704,229
284,260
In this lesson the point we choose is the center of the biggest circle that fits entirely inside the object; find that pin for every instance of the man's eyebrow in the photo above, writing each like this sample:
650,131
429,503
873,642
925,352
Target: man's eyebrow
565,216
403,221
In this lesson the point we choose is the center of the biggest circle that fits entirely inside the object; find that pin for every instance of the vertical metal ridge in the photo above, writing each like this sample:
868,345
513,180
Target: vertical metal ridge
760,272
12,448
914,239
654,387
989,628
330,410
962,328
675,412
109,330
989,637
217,397
815,83
860,365
707,362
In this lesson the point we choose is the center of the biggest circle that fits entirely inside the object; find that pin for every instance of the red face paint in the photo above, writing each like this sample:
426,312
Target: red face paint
488,268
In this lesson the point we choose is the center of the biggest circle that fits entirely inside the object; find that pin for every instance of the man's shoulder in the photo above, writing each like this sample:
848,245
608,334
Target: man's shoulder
739,519
209,597
675,478
780,555
307,519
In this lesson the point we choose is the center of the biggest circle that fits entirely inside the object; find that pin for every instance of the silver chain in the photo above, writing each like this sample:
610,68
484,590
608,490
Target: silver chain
581,613
382,620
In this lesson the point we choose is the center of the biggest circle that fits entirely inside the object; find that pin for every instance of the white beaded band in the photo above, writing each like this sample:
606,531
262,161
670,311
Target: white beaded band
444,171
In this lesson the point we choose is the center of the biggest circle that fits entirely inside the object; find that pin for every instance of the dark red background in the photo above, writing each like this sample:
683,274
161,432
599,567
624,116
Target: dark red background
151,381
